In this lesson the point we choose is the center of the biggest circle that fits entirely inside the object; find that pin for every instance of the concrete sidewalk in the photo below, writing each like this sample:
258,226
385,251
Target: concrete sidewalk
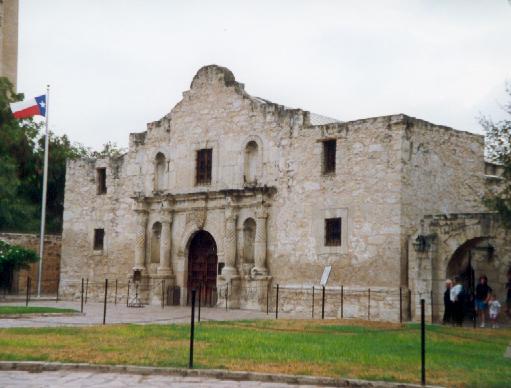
93,315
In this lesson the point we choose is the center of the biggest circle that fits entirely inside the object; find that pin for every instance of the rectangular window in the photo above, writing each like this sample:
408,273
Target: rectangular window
333,227
99,238
329,148
101,180
203,166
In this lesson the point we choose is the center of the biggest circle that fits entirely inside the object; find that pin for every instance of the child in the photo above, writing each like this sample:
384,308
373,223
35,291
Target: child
494,306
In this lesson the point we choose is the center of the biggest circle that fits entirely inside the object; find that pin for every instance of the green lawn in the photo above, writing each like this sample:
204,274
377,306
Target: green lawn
378,351
32,310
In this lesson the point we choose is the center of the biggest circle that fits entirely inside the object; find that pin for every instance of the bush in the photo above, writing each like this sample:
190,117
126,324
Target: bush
14,257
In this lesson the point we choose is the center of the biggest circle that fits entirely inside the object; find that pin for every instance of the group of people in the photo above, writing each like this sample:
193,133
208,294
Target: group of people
483,301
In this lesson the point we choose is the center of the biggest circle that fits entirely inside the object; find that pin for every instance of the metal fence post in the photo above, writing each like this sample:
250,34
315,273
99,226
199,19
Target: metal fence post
267,299
226,295
81,298
58,286
368,304
400,305
192,330
115,298
28,290
423,345
86,289
200,292
312,302
277,304
323,304
163,293
342,302
104,304
128,294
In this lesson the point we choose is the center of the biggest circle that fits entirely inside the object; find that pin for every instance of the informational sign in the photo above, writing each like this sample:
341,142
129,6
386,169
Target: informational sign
326,274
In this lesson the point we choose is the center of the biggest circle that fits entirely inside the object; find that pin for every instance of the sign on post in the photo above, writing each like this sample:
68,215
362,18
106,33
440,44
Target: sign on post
326,275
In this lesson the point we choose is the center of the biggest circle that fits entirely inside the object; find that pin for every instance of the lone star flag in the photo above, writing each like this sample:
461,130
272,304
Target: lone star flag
31,107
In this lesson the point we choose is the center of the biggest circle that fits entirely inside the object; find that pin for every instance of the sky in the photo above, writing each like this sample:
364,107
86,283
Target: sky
115,65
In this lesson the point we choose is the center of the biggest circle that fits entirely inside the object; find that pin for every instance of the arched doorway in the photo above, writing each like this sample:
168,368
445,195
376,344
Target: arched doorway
202,267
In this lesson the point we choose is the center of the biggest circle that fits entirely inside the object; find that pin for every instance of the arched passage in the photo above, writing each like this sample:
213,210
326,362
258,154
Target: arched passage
466,261
202,267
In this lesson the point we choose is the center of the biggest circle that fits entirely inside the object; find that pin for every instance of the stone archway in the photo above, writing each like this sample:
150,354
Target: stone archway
202,267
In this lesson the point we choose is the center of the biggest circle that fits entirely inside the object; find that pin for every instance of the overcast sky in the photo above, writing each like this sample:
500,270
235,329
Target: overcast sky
115,65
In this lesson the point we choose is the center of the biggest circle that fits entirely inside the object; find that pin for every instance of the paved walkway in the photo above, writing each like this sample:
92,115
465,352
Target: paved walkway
16,379
93,315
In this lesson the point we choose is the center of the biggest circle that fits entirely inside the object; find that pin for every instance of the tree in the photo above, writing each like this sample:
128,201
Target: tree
498,150
13,258
21,169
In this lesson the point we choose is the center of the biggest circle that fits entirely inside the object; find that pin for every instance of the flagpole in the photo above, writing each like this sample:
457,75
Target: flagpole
43,203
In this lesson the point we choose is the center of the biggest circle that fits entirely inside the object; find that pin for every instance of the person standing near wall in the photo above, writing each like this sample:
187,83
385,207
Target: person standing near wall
483,292
457,299
448,305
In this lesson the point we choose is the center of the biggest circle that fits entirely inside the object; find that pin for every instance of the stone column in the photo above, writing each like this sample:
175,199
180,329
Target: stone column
229,269
165,267
260,244
140,237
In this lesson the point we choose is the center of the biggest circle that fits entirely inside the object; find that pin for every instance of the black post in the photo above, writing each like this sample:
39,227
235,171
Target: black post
368,304
192,330
277,304
431,300
115,299
323,304
200,292
423,345
86,289
400,305
267,299
81,299
226,295
104,304
163,293
28,290
342,302
58,286
128,294
312,302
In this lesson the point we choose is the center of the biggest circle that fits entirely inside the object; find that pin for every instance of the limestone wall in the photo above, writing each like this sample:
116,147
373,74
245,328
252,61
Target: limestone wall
51,262
9,39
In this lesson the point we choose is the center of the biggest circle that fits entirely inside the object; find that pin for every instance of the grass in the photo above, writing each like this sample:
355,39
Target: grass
375,351
8,310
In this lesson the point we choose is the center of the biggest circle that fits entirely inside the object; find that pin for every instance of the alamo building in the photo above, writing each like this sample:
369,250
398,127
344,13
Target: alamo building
235,194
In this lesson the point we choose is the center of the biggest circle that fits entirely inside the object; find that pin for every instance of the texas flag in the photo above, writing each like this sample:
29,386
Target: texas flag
28,108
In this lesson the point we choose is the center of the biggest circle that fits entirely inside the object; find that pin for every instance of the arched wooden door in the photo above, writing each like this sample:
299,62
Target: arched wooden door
202,268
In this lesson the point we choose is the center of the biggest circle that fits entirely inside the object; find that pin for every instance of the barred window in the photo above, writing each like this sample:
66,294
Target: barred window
329,148
333,228
203,166
101,180
99,237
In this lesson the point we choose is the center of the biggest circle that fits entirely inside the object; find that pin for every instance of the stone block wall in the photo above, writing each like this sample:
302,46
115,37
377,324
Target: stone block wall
51,262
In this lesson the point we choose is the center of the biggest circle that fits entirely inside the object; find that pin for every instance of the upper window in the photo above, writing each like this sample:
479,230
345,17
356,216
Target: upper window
99,238
101,180
333,230
159,173
329,148
203,166
251,162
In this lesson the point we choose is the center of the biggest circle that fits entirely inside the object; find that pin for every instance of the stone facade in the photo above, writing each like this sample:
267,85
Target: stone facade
51,262
9,40
268,201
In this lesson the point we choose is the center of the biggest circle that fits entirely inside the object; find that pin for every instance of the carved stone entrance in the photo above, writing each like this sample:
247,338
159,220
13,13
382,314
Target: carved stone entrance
202,267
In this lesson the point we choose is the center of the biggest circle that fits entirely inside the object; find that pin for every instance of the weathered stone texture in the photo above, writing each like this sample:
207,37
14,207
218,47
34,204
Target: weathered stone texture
9,40
51,262
391,171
